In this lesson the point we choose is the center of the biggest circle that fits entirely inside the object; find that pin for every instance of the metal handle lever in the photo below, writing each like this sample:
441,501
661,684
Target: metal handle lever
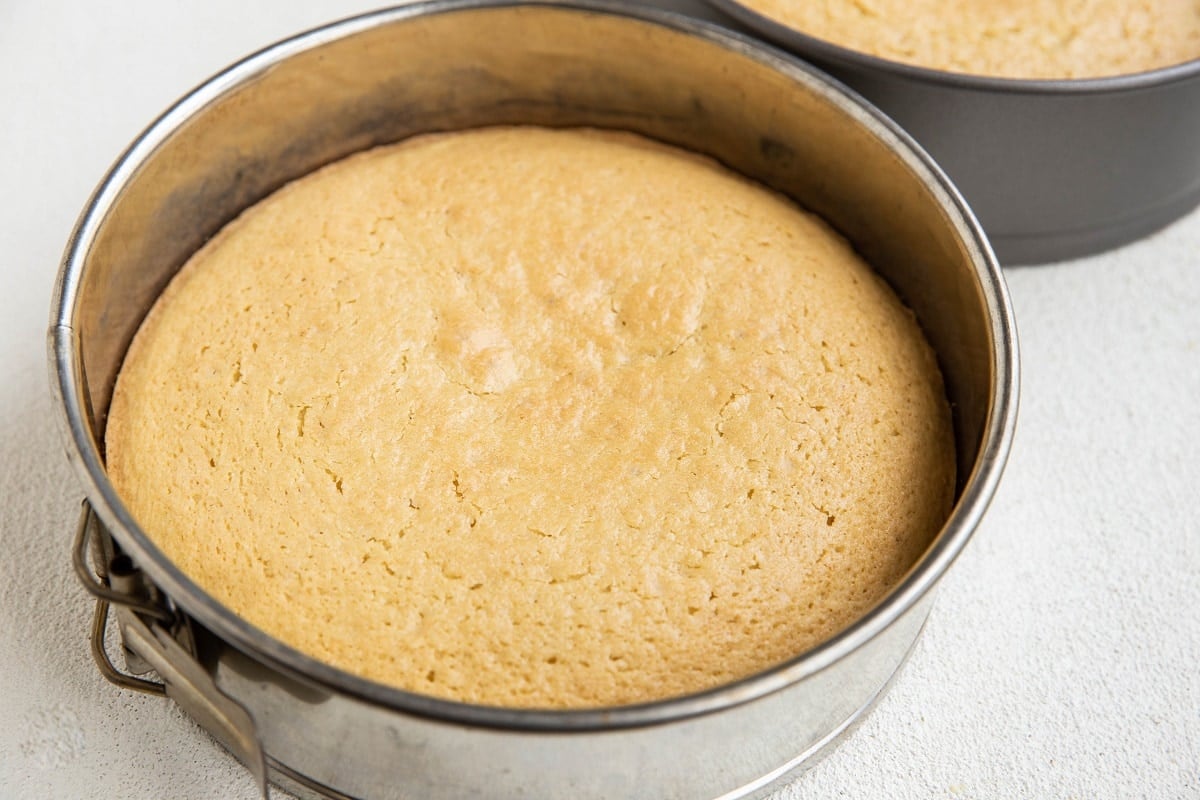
150,646
191,687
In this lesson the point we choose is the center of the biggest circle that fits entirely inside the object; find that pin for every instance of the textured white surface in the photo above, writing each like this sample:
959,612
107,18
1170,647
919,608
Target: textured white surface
1061,657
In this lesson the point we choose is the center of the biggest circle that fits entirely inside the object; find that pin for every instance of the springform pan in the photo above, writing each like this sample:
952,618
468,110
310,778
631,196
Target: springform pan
453,64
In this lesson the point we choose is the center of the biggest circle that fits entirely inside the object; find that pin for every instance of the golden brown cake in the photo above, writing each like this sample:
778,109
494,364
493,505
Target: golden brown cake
1044,39
534,418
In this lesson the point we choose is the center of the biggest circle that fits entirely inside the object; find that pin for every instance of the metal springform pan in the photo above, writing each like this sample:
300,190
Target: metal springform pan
453,64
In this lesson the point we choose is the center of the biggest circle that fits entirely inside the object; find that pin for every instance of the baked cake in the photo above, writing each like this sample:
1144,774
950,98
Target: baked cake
1042,39
534,418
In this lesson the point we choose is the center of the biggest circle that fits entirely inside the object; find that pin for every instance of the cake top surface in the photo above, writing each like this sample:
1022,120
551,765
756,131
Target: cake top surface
1032,39
534,418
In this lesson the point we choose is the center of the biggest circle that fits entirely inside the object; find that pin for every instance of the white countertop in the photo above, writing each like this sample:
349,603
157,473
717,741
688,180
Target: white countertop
1061,659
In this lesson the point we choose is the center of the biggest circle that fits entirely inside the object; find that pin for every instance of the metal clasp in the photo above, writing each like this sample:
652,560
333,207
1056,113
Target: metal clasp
151,637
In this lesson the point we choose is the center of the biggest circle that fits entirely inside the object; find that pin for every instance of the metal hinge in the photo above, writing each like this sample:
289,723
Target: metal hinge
151,636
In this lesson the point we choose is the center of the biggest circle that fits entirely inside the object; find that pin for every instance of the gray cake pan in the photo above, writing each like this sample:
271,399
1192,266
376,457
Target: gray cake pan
1053,169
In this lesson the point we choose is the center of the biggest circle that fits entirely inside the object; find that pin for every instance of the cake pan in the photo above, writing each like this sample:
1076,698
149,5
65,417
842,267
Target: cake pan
1054,169
454,64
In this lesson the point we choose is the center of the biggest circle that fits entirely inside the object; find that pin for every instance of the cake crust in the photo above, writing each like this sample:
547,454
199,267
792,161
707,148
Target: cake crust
534,418
1031,39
